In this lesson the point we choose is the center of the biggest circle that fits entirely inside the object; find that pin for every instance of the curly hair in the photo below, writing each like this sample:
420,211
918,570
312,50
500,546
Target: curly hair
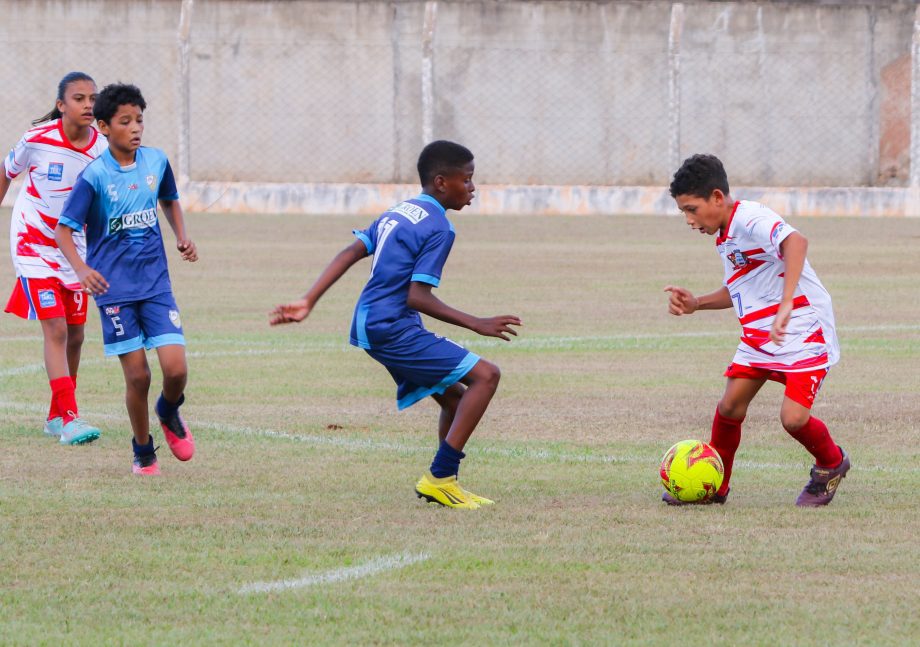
115,95
699,175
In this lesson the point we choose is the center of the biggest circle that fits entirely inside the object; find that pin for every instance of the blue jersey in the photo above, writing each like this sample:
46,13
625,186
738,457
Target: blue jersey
118,205
410,242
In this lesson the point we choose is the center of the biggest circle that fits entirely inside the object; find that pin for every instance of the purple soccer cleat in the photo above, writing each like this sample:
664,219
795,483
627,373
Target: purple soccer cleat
823,484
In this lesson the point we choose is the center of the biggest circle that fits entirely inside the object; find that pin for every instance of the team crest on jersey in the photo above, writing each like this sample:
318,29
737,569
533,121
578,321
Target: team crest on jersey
112,310
737,259
151,181
174,318
55,171
46,298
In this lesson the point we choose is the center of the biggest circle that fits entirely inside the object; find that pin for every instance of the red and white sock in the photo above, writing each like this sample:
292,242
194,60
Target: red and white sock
815,437
726,436
63,395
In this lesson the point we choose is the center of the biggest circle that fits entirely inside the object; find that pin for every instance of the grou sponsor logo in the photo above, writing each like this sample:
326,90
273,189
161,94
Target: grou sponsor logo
138,220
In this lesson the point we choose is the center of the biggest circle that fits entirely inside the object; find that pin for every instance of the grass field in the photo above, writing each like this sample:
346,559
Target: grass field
296,522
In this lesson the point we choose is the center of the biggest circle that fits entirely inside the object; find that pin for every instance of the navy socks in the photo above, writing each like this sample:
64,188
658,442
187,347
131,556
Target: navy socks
166,409
143,450
446,462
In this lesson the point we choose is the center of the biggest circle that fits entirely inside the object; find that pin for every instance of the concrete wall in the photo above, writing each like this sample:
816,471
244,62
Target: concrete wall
600,93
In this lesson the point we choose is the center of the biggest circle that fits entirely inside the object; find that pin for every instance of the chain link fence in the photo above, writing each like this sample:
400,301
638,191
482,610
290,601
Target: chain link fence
544,93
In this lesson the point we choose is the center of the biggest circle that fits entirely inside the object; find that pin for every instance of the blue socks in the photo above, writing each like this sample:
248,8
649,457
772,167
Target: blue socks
166,409
446,462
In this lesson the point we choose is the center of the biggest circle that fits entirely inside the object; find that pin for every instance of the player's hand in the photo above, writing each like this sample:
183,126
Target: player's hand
289,312
499,326
92,281
188,249
681,301
778,329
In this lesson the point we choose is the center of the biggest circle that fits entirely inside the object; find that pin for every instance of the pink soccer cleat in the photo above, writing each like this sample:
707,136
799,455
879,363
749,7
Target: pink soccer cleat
146,465
178,437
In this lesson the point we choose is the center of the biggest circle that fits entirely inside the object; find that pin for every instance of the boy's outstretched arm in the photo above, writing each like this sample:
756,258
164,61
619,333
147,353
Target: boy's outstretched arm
173,212
682,302
300,309
422,300
793,248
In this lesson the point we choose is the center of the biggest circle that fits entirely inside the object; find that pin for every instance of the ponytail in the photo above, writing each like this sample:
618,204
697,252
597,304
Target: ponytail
62,89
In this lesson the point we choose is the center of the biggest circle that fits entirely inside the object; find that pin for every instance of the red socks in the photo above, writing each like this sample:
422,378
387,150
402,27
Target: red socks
726,436
63,399
817,440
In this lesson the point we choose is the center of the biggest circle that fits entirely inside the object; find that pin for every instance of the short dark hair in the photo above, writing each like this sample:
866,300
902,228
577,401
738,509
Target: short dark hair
114,96
441,157
699,175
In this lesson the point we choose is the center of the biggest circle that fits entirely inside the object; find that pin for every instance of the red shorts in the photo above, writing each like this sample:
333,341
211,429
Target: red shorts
800,387
47,299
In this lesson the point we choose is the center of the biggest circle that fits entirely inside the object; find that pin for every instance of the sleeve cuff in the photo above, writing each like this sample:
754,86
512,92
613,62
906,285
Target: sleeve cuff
426,278
67,222
364,239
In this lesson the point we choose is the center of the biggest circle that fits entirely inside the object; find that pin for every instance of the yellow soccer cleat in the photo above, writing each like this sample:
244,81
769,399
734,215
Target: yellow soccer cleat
445,491
481,500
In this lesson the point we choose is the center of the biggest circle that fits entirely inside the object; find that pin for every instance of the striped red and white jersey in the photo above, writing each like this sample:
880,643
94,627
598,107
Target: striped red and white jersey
51,165
754,274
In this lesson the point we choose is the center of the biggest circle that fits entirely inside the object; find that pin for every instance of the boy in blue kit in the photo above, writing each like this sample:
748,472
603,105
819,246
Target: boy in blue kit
115,198
410,244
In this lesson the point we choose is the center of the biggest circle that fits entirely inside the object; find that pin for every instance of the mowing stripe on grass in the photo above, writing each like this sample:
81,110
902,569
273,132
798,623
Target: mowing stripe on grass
524,453
34,368
591,342
373,567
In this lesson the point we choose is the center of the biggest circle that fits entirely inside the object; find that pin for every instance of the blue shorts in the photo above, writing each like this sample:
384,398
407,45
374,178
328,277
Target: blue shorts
150,323
422,364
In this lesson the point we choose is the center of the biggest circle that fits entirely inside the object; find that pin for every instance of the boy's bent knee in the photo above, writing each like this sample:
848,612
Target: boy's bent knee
733,410
794,422
490,372
138,380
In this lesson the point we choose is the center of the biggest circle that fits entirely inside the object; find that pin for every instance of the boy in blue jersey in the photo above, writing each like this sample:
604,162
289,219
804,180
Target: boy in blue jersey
115,198
410,244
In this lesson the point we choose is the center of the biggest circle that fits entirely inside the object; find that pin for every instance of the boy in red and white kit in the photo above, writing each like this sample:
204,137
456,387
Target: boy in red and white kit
51,156
786,317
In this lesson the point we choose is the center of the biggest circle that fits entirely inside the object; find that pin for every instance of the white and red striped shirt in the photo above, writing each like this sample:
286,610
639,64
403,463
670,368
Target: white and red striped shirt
754,275
52,165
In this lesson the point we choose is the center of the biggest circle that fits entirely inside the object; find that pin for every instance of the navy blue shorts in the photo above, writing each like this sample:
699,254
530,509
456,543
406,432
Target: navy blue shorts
422,364
150,323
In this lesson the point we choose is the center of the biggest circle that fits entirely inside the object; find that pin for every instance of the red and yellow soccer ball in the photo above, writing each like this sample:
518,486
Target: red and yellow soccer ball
692,471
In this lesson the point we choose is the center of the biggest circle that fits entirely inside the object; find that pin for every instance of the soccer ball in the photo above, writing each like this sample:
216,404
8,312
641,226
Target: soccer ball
692,471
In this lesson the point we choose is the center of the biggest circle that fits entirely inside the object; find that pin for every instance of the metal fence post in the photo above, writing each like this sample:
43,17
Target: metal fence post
184,103
674,35
428,29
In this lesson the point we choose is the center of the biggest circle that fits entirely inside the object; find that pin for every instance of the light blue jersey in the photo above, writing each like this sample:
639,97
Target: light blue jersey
118,205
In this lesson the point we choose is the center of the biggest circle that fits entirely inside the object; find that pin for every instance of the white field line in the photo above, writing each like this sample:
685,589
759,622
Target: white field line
373,567
367,444
539,342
